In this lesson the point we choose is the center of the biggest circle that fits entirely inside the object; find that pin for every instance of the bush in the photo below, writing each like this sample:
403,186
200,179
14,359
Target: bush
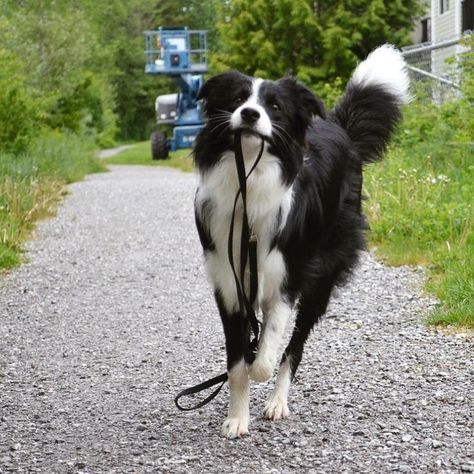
420,206
18,112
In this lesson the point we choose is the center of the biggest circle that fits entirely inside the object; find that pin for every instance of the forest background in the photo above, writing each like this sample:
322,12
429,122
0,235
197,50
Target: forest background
78,66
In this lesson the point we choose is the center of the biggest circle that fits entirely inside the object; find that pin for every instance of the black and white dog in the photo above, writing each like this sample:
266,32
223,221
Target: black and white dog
303,204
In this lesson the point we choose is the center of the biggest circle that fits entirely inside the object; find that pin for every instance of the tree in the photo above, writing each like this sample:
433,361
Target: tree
54,45
17,110
195,14
119,26
315,41
82,63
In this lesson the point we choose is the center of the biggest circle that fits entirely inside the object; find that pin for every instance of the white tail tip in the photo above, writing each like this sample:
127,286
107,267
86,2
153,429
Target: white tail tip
385,67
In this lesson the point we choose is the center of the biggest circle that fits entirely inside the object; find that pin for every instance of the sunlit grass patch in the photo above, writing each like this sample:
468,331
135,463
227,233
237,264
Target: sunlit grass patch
420,207
140,154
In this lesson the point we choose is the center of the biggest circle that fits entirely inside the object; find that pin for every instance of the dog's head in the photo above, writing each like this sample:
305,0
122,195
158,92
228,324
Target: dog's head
279,111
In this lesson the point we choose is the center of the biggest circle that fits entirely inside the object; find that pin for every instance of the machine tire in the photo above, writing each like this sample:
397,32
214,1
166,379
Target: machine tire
159,145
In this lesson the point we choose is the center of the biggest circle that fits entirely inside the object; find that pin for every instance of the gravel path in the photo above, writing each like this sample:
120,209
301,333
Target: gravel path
112,316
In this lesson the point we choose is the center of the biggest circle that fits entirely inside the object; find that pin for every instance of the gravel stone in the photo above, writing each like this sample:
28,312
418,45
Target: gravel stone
112,316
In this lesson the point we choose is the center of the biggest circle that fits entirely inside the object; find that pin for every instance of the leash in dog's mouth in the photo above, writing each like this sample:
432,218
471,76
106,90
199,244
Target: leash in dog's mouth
245,131
248,254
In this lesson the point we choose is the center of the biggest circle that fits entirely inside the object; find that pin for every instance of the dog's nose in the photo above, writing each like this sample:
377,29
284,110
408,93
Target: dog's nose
249,115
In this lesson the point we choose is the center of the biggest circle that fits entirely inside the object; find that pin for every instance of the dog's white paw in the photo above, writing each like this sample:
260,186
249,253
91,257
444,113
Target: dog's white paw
276,409
262,369
235,427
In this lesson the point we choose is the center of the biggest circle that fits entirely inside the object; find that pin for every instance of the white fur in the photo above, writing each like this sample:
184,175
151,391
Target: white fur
276,316
277,406
263,126
265,195
385,67
237,421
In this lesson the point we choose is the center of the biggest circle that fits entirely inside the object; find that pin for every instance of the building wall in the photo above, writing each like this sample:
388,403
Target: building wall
444,26
417,31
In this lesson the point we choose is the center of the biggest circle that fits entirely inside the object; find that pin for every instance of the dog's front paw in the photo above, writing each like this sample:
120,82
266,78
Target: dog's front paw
235,428
276,409
262,369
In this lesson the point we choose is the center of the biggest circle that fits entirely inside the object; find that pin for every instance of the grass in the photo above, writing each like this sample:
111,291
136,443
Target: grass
140,154
421,206
32,183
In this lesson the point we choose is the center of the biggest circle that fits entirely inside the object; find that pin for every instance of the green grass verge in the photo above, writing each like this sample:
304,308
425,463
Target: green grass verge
32,183
140,154
420,205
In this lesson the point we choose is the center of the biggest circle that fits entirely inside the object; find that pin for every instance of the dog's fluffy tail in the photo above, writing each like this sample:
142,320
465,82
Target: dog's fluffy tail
370,108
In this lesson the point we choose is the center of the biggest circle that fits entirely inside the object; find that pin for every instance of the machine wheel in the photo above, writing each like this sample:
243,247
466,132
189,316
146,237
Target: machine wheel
159,145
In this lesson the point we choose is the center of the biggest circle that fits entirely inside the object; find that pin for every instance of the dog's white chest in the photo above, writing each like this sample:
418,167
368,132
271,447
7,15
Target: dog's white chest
268,204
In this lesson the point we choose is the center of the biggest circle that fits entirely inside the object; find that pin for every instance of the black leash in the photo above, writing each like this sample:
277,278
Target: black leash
248,253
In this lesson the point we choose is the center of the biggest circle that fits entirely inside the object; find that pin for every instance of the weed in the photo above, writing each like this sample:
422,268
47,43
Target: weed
31,184
420,205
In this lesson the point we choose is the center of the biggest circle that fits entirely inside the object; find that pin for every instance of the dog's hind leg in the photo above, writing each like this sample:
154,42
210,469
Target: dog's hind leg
311,307
237,333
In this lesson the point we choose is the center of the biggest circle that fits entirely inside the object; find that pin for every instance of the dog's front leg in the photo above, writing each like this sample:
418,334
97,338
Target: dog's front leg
275,319
237,421
237,333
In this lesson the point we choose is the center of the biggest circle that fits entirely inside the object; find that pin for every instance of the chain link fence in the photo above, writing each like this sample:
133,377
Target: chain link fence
432,69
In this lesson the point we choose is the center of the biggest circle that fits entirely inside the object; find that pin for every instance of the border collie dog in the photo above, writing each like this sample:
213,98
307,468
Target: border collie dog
303,205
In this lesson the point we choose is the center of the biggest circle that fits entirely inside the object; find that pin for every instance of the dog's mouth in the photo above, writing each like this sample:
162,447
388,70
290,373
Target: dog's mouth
246,132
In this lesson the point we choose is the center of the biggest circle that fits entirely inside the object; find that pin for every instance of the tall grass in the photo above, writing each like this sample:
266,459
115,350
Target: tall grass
421,204
31,184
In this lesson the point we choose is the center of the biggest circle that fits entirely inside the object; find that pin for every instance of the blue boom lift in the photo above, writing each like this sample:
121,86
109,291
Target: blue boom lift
181,54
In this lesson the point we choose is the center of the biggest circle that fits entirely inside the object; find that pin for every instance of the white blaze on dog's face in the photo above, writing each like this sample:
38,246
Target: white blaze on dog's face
251,115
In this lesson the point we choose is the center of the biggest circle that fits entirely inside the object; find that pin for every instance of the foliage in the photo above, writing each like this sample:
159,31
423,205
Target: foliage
17,110
316,42
83,64
331,92
31,183
420,200
118,28
52,44
195,14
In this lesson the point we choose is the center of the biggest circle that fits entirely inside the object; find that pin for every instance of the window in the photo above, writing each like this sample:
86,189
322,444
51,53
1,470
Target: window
426,30
443,6
467,15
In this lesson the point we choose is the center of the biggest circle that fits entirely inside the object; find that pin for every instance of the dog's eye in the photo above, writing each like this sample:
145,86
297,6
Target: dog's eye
276,107
238,100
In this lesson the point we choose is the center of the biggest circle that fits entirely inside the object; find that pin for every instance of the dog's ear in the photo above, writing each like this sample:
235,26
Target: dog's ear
309,102
220,83
206,88
216,93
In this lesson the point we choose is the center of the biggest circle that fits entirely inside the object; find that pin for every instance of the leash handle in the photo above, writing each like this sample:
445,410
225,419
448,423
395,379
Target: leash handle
222,379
